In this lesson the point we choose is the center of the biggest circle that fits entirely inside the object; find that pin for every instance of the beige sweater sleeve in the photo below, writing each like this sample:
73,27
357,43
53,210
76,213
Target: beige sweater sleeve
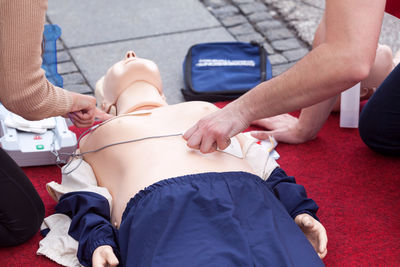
24,88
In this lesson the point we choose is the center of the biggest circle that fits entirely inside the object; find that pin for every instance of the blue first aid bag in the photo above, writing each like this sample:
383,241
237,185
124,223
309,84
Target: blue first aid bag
224,71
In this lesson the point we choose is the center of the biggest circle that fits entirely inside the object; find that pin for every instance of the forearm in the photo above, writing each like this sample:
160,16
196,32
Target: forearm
293,196
318,76
344,57
90,225
312,118
24,87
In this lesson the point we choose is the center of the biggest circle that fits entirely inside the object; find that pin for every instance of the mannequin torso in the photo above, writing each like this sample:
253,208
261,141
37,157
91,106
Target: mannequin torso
154,159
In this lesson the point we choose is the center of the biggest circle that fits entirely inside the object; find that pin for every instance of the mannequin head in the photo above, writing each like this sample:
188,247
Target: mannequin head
130,84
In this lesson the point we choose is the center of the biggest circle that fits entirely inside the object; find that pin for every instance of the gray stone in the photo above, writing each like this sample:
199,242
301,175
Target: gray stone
315,3
390,32
277,59
167,51
63,56
279,69
251,37
305,30
260,16
59,45
238,2
73,78
268,48
242,29
233,21
304,16
266,25
304,13
215,3
286,7
225,11
252,8
294,55
79,88
66,67
276,34
96,22
286,44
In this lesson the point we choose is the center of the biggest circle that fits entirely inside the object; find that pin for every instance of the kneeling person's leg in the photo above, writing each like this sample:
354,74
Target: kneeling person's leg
21,209
380,118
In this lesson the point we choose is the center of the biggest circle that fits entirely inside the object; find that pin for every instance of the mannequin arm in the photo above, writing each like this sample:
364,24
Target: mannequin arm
293,196
315,233
104,256
90,225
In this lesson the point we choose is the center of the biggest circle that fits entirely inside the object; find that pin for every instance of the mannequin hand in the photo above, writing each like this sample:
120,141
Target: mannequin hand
215,130
284,128
84,111
314,231
104,256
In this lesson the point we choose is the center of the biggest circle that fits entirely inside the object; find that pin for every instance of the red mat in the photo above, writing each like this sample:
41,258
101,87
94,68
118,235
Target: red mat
358,192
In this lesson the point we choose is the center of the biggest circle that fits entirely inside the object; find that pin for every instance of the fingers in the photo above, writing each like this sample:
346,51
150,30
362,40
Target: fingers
223,142
307,222
190,132
80,119
111,259
323,253
104,256
101,115
192,137
214,131
82,113
323,242
266,123
261,135
206,142
199,139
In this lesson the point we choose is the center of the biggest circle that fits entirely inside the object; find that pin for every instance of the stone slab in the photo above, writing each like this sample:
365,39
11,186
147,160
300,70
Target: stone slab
99,21
167,51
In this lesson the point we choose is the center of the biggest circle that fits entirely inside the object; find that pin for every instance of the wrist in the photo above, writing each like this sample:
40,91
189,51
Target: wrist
241,111
304,132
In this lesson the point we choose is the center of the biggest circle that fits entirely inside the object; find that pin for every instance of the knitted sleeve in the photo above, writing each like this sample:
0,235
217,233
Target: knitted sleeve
24,88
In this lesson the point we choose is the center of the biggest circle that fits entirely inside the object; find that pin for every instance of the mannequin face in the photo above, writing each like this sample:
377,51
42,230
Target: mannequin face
125,73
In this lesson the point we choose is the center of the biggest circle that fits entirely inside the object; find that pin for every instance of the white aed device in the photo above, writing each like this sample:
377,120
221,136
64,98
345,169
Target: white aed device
35,143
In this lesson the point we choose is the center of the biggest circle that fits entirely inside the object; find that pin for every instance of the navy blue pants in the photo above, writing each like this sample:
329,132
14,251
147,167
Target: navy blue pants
380,118
212,219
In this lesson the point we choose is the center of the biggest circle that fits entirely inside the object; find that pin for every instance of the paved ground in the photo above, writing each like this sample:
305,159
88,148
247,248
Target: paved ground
97,33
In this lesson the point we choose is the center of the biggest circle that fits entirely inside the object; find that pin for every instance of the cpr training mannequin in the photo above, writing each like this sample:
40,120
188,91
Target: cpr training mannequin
174,206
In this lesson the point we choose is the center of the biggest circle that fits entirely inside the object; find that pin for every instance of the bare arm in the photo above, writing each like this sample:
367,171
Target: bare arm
343,59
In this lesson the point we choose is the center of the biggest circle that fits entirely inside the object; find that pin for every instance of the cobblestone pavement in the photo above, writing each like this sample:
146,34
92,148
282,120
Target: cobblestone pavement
249,20
284,27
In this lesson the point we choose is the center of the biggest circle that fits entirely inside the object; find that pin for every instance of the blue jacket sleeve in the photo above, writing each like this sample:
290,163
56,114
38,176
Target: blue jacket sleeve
90,225
293,196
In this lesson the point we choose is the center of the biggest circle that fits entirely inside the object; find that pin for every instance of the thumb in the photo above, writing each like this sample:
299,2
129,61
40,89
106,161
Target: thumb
261,135
82,102
112,259
101,115
306,221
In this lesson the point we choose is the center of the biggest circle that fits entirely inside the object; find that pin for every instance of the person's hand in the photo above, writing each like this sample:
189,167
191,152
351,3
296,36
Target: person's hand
84,111
284,128
215,130
104,256
315,233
